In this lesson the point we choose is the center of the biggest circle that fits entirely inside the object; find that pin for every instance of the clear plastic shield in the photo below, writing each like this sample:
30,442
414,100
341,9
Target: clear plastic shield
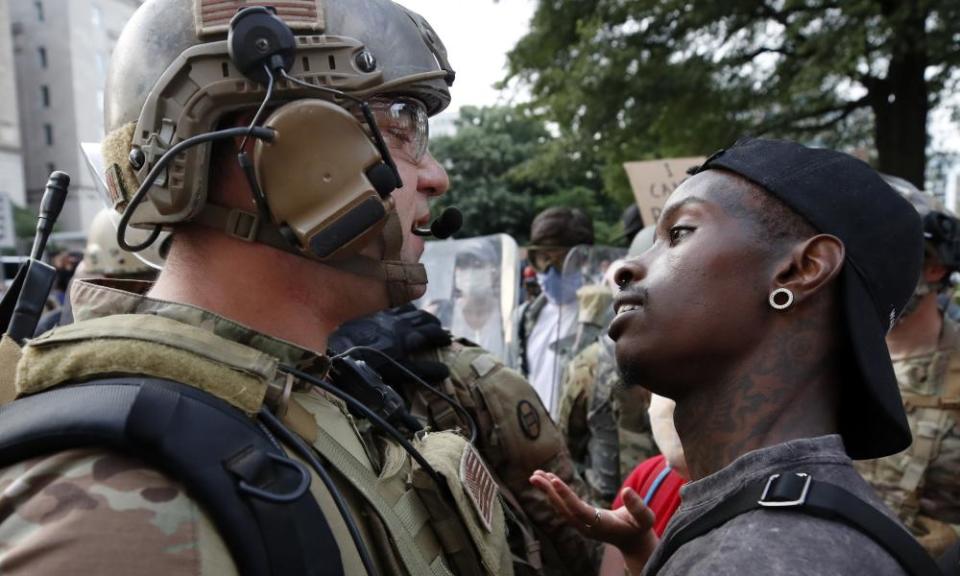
472,288
151,256
588,275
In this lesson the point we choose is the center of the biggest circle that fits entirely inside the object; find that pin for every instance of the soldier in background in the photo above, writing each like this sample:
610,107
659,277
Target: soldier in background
604,424
546,327
102,258
920,484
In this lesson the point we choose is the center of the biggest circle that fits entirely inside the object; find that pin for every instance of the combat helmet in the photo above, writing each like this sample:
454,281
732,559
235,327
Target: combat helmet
103,257
319,171
941,229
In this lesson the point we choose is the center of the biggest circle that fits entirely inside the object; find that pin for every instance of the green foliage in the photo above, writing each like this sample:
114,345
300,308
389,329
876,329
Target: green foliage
505,166
640,79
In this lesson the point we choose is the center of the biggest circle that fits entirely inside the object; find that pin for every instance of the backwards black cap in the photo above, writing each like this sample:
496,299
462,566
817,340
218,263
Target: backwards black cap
883,236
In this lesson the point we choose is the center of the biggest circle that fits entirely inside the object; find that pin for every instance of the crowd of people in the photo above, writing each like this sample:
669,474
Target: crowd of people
764,382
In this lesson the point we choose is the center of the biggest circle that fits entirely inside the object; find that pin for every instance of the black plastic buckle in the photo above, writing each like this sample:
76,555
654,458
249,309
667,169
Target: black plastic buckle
243,225
782,491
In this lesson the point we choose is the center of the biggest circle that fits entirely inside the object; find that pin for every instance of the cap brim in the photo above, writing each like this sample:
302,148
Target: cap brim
872,419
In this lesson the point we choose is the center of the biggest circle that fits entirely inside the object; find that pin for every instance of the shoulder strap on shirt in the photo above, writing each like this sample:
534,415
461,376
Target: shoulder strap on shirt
257,497
798,492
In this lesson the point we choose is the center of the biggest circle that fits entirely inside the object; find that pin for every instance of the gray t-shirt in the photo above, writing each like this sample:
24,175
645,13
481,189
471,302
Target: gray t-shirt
778,542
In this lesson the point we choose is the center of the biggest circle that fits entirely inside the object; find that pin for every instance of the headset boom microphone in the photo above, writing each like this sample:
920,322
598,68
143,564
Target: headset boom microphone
446,225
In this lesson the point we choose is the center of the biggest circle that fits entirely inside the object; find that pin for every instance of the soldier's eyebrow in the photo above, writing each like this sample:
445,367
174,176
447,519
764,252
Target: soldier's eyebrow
672,210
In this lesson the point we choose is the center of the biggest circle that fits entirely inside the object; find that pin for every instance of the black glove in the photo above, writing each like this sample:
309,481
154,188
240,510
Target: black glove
401,333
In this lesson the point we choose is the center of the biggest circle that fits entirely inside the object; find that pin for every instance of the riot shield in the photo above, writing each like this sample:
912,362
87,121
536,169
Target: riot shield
472,288
588,271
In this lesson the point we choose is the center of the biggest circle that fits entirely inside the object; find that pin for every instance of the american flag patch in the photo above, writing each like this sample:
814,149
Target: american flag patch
213,16
479,485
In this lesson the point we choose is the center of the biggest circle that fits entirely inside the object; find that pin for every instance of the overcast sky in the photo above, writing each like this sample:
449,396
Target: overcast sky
478,34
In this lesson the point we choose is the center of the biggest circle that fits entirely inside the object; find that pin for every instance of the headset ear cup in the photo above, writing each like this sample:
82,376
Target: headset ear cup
323,177
382,178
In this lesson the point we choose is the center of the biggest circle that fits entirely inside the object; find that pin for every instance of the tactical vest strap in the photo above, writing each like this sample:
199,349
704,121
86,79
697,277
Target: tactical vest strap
365,483
794,492
256,496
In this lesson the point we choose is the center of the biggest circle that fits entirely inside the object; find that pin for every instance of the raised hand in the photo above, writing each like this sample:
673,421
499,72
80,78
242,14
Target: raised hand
629,528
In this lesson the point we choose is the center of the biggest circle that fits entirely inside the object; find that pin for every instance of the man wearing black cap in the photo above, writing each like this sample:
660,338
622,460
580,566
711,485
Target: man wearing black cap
761,310
546,327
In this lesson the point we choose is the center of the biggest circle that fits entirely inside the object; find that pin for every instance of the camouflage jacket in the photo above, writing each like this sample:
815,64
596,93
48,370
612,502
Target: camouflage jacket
921,483
604,424
92,511
515,436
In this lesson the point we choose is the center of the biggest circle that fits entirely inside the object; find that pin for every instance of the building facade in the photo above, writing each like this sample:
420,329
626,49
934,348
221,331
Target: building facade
12,184
62,49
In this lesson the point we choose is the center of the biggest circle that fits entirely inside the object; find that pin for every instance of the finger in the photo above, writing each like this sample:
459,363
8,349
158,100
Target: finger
643,515
578,509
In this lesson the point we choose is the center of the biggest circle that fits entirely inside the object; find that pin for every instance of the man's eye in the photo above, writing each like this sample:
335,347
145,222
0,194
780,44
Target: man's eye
677,233
399,134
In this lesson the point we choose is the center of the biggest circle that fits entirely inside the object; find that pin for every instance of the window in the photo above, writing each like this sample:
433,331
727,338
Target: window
96,17
39,6
48,133
45,96
42,53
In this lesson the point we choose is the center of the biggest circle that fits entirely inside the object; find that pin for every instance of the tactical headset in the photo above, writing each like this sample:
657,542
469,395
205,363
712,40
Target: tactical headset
321,175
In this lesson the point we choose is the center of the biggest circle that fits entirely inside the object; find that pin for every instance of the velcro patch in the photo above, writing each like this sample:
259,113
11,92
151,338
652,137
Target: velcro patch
213,16
479,485
115,187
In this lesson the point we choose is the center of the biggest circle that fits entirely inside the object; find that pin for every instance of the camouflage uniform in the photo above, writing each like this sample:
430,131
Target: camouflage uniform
93,511
604,424
515,436
920,484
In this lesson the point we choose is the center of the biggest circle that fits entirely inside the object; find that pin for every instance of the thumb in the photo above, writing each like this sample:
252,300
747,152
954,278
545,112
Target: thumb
643,515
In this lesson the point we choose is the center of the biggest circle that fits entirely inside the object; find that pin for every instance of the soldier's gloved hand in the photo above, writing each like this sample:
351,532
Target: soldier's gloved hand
401,333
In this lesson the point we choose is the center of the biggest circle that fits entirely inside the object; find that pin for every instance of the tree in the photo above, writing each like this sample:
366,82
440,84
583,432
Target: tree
502,169
657,78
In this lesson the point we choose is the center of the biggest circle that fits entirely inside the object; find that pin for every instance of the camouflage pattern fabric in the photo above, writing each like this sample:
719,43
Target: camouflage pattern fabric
93,511
920,484
515,436
605,426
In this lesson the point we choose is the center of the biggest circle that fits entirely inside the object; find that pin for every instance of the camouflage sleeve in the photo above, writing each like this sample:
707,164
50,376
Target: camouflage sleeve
572,416
89,511
516,437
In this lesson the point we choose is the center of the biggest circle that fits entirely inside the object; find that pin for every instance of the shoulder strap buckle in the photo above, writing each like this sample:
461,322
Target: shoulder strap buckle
787,491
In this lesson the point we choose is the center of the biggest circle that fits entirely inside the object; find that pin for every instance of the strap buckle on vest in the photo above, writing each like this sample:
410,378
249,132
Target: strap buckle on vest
243,225
785,491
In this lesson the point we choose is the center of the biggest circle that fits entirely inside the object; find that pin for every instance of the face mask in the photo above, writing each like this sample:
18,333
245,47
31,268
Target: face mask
473,280
558,288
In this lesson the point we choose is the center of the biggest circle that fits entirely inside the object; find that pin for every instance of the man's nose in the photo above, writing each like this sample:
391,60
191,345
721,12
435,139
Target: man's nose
633,270
432,179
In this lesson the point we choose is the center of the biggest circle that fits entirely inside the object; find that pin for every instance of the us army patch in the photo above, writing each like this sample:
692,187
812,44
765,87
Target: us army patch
529,419
479,485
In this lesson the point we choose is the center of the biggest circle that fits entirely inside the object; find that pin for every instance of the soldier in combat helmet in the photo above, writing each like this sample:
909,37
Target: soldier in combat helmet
920,484
604,423
286,149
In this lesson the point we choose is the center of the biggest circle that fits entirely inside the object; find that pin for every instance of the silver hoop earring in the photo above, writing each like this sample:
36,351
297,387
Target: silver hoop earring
781,305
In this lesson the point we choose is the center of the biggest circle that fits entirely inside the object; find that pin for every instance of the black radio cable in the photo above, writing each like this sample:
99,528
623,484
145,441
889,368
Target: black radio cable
444,396
257,132
273,424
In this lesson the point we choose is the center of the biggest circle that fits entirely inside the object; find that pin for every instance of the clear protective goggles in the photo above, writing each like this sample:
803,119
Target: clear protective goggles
405,126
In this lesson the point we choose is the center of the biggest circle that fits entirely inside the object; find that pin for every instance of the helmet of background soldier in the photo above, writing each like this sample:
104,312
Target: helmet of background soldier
104,257
941,228
172,77
642,241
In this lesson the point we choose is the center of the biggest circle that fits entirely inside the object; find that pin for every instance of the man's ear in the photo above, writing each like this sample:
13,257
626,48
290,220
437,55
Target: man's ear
810,266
